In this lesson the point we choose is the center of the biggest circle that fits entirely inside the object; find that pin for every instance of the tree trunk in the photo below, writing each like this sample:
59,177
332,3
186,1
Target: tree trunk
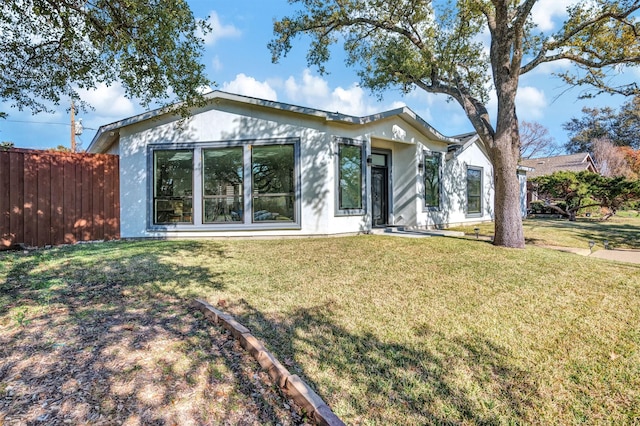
506,56
507,217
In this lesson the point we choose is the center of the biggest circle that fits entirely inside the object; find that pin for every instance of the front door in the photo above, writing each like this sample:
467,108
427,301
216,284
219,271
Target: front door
379,190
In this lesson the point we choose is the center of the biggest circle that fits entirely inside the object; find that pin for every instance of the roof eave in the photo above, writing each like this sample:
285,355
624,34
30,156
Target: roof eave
102,138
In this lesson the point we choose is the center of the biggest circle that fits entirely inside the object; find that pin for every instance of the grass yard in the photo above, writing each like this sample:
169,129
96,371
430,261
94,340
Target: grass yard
387,330
622,231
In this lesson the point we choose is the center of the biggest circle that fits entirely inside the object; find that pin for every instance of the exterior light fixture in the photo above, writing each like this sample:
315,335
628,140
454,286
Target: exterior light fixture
591,244
477,231
420,166
369,160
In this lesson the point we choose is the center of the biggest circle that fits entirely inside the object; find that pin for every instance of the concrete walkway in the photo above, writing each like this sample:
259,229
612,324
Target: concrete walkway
620,255
631,256
415,232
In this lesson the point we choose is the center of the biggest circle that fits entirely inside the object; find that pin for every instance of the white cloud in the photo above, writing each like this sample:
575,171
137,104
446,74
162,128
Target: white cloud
545,11
249,86
352,101
109,105
311,88
109,101
218,30
530,103
314,91
204,89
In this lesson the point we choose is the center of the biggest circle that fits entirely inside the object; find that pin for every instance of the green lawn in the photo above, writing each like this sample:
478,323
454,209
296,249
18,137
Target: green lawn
621,231
391,330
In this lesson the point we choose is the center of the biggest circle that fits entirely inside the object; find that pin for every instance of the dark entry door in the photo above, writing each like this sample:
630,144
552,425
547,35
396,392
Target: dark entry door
380,195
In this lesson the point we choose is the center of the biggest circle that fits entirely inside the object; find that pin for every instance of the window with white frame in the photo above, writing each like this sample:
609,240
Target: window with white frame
350,177
474,190
234,185
431,179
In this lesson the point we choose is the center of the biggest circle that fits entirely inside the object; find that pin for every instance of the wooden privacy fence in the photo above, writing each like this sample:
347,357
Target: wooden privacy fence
51,198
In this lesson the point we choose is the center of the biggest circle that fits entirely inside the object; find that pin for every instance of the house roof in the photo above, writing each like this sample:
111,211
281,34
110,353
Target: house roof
548,165
108,133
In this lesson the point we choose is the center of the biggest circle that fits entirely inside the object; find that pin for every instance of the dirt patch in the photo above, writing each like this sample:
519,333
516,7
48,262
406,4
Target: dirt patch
100,354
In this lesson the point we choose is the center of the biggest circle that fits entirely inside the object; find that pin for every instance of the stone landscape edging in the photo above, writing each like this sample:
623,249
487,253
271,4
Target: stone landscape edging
290,384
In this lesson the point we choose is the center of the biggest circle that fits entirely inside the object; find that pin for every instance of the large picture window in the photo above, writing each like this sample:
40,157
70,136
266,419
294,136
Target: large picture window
226,185
431,179
222,185
350,178
474,190
273,183
173,186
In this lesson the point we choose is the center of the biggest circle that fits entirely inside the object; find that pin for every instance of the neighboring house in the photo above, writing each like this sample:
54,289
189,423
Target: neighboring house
571,163
242,166
548,165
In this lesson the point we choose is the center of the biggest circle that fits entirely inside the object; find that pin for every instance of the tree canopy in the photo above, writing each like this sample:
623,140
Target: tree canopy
51,48
569,192
620,127
437,46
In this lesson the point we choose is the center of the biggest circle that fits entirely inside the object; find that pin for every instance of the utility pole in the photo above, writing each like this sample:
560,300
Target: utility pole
73,128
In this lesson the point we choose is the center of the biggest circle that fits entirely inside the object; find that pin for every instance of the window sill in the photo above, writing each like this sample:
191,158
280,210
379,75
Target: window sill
428,209
224,227
345,213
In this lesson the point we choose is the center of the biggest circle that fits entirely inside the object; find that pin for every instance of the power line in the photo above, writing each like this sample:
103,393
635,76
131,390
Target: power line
42,122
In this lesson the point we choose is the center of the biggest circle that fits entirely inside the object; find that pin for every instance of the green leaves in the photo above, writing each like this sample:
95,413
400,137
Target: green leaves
51,48
399,43
598,38
575,189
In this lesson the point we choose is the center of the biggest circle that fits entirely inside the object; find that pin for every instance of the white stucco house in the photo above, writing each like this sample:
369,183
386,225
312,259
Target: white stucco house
243,166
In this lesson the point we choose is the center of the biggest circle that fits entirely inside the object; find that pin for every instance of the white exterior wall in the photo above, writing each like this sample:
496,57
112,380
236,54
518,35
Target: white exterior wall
401,181
453,208
317,172
229,122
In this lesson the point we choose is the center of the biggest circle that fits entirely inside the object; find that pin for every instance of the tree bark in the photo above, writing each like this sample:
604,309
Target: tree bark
506,56
507,215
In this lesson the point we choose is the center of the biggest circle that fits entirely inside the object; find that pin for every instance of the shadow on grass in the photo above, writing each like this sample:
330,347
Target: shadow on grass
102,333
432,380
618,234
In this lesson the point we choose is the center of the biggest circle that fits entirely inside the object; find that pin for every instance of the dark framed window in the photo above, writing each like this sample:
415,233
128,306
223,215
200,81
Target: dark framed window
173,186
222,185
350,177
431,179
273,183
226,185
474,190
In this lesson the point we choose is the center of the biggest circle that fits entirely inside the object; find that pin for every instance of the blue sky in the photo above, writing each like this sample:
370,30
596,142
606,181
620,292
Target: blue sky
238,60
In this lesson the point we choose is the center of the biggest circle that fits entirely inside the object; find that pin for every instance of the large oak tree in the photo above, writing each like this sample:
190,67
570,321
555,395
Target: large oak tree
51,48
438,47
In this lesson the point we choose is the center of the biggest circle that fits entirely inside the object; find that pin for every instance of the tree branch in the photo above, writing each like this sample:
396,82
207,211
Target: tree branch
561,41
